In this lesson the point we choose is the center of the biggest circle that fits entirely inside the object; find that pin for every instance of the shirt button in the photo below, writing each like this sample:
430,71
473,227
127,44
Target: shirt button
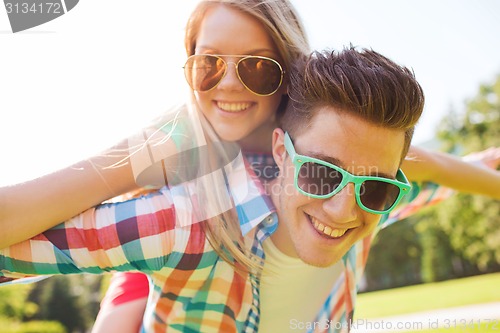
269,220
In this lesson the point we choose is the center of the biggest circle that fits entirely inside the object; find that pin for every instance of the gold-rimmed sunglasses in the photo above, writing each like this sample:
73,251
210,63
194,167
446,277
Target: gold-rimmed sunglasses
261,75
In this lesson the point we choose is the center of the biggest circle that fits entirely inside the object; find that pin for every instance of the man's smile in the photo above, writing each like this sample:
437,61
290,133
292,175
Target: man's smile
326,230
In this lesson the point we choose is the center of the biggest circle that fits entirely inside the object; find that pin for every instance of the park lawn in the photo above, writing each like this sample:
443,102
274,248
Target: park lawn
425,297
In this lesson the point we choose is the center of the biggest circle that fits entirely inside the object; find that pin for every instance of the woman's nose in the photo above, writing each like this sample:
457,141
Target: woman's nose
231,80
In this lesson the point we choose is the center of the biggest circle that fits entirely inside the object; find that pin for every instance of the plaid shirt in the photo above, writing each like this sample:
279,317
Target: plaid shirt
193,290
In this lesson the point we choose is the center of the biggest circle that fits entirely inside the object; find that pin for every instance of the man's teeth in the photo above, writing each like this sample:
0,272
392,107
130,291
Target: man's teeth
233,107
335,233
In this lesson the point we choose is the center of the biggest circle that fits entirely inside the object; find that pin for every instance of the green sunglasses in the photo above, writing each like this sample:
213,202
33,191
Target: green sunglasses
322,180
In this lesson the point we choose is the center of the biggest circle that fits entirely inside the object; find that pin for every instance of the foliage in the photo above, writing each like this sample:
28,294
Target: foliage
473,226
394,259
70,300
13,302
479,127
15,306
440,261
57,304
472,223
9,326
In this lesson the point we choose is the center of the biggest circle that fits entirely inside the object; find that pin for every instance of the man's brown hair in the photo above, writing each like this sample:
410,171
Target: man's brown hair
363,83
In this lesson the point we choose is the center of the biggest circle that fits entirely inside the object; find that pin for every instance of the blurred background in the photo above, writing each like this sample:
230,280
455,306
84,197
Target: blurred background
76,85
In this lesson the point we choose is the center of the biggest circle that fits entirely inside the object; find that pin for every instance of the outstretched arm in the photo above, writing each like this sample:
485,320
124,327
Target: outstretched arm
108,237
475,174
32,207
441,175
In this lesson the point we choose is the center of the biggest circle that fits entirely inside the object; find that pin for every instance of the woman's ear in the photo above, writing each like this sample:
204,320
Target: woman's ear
279,150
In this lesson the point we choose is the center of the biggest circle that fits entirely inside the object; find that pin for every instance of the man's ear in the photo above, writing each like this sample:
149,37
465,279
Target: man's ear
279,151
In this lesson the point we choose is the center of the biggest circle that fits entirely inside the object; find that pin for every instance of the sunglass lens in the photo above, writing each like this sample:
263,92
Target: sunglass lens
379,195
203,72
262,76
318,179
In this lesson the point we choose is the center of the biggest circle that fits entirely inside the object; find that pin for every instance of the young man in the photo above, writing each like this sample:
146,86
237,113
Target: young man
339,150
347,128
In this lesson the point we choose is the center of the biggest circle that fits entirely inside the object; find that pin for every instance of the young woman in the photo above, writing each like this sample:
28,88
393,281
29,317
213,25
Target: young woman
240,97
239,110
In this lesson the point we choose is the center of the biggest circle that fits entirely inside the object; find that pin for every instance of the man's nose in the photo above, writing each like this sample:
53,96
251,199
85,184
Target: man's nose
342,207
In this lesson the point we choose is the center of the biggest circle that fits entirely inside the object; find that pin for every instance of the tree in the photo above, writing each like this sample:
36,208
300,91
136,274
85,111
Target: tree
394,259
13,302
14,307
71,300
473,222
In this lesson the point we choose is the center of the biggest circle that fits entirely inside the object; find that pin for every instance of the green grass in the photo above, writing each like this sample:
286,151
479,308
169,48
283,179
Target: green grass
425,297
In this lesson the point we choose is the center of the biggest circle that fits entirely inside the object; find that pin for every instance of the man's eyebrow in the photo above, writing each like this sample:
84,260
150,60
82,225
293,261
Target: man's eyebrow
326,158
339,163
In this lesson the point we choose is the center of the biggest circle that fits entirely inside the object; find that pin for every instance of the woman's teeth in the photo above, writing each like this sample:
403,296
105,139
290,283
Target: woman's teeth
233,107
326,230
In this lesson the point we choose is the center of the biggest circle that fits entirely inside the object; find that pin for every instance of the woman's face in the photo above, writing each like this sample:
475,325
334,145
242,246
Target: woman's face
236,113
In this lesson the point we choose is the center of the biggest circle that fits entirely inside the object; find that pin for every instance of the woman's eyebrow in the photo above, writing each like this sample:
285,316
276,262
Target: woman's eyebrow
206,48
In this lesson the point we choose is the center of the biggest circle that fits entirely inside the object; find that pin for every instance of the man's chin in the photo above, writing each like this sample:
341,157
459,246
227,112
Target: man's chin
321,260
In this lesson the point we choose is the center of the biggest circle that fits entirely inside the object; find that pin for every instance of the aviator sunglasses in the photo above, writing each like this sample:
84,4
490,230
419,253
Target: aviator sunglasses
261,75
319,179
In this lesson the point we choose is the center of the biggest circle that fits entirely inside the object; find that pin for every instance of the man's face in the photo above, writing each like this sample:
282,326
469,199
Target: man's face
321,231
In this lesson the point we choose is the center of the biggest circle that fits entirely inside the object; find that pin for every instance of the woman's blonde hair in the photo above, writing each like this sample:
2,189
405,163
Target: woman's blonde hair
278,17
283,24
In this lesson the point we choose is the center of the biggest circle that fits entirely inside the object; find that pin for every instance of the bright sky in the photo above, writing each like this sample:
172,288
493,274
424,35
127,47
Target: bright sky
76,85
